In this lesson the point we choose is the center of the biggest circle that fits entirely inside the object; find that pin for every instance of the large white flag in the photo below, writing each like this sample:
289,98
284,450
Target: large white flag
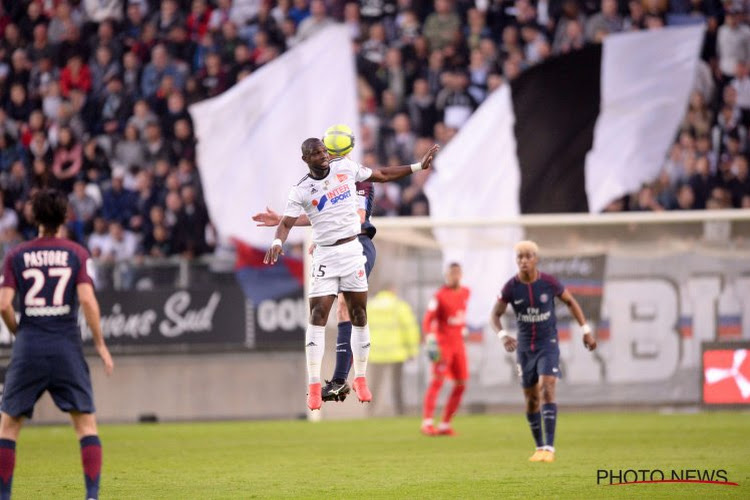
570,134
249,137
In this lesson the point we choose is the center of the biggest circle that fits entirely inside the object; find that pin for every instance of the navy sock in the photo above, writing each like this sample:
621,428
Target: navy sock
91,456
549,414
535,423
343,351
7,464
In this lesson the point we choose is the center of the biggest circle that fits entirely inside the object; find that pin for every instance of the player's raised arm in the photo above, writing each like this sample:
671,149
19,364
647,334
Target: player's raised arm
282,231
6,308
271,218
90,307
575,309
387,174
509,342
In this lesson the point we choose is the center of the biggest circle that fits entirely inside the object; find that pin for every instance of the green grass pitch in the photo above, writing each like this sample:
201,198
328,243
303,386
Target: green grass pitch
388,458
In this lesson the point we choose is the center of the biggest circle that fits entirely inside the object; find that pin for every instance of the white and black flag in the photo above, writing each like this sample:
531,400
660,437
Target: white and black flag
571,134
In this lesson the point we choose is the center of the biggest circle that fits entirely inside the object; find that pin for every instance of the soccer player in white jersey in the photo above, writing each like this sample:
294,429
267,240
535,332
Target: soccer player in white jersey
329,198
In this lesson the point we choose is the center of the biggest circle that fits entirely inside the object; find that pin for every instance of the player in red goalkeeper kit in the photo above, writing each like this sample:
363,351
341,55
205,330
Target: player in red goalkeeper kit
444,326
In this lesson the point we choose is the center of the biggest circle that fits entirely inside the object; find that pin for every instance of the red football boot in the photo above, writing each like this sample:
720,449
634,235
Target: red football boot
363,392
314,398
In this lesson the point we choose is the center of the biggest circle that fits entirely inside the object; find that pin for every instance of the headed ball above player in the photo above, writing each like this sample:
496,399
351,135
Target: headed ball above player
339,140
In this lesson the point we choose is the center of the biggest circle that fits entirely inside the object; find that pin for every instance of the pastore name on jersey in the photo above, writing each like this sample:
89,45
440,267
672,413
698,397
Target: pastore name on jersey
46,258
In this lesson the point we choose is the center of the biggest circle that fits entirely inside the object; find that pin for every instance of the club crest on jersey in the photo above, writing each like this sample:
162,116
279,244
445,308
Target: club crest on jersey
544,298
334,196
313,190
342,177
361,274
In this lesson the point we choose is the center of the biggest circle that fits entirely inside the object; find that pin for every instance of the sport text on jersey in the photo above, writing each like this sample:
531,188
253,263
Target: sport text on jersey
333,196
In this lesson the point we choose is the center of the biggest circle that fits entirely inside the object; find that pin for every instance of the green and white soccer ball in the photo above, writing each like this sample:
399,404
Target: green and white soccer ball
339,140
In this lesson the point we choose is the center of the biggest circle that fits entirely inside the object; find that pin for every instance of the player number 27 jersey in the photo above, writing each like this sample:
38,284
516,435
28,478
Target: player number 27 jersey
45,273
330,203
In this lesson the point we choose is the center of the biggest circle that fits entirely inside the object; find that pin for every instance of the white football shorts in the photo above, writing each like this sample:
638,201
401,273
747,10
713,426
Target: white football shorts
338,269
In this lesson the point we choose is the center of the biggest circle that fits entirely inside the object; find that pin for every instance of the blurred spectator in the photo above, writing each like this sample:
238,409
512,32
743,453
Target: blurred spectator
99,239
157,242
733,43
118,203
318,20
421,107
701,182
8,217
96,165
103,68
84,206
190,226
16,186
685,198
129,149
100,10
605,22
646,200
160,66
400,141
68,158
120,244
441,27
454,102
75,75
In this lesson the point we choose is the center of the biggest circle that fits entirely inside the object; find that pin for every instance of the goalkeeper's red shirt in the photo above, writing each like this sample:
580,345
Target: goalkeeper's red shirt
446,316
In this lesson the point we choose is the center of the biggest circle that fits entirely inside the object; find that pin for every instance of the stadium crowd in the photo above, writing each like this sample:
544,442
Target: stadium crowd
94,97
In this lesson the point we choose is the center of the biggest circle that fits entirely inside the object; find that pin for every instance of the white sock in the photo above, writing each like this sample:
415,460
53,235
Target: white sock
550,448
427,421
315,343
444,425
360,349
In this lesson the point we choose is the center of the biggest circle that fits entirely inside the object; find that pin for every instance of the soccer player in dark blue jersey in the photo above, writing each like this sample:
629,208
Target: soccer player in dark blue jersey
531,294
51,276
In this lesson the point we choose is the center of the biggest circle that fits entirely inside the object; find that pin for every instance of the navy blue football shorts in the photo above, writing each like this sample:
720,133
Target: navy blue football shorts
531,365
369,251
61,371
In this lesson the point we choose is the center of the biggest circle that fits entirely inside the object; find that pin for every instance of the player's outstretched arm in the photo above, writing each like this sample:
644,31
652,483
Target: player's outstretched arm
387,174
509,342
90,307
575,309
282,231
271,218
6,308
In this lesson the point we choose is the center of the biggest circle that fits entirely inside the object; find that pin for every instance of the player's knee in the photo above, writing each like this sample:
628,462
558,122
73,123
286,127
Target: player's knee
532,403
318,316
84,424
359,315
548,392
10,427
342,312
